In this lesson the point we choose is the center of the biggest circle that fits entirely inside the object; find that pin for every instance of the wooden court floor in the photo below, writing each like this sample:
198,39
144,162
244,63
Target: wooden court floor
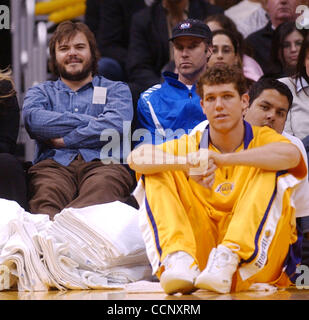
123,294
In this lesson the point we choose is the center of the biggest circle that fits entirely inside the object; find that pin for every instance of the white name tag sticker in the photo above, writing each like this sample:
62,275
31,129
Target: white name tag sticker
99,95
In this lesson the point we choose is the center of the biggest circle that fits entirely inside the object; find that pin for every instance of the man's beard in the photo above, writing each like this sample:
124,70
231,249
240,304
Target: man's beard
76,76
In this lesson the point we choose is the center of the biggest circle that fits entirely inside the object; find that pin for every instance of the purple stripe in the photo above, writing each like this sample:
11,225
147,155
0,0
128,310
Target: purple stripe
154,226
248,134
247,138
294,257
257,236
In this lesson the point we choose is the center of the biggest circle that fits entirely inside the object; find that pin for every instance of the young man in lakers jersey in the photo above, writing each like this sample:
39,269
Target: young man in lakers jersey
217,212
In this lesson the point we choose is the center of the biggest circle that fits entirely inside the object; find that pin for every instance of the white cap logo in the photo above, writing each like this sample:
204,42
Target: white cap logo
186,25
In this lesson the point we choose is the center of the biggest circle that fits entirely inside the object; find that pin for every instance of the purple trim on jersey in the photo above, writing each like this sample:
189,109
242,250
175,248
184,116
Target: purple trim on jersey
204,143
248,135
293,257
257,236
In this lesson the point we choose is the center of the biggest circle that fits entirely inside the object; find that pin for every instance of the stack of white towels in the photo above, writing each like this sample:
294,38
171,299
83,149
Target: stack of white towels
96,247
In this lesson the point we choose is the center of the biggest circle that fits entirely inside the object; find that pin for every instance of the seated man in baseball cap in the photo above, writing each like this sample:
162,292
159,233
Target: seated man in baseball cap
173,108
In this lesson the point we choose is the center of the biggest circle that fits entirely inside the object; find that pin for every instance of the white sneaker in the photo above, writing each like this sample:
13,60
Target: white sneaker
217,276
179,274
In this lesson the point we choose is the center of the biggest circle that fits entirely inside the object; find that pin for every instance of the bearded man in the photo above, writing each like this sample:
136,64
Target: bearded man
71,120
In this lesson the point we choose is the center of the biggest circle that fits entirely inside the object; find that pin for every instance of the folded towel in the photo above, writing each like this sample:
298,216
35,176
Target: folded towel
96,247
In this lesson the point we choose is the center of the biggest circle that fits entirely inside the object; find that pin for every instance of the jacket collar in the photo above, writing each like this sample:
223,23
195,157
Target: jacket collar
172,79
300,84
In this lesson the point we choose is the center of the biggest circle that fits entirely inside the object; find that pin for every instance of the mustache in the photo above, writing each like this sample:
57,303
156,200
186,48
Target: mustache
73,60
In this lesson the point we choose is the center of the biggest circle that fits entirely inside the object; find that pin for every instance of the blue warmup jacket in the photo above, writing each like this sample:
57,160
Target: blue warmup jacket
167,111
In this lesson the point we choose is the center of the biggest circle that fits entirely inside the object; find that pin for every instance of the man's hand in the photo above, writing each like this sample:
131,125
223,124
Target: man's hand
197,162
208,178
201,168
57,143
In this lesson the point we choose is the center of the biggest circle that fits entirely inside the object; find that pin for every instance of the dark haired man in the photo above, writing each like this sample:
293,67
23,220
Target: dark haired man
233,219
71,120
269,103
174,107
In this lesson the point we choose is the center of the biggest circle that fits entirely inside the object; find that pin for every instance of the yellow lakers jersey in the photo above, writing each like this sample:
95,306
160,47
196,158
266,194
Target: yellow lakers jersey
229,180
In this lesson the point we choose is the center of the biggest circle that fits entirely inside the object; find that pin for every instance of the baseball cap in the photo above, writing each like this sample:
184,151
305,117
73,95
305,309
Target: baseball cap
192,27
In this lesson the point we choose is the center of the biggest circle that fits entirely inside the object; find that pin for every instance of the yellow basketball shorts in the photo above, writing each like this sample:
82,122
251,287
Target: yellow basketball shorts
259,224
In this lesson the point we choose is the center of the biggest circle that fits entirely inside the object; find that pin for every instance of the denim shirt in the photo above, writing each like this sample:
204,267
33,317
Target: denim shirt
94,130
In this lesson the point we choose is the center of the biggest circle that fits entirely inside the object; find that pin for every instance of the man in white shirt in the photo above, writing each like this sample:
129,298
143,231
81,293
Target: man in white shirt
269,104
279,11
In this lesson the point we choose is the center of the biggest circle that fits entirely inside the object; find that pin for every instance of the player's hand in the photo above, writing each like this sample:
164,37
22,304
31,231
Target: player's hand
208,177
197,162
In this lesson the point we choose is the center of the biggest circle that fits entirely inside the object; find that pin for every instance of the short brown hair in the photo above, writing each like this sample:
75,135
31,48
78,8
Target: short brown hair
67,30
222,75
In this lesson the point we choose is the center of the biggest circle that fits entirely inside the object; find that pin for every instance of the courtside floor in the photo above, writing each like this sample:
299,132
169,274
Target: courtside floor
152,291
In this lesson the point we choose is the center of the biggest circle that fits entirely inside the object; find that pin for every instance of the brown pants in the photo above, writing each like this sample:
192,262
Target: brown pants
54,187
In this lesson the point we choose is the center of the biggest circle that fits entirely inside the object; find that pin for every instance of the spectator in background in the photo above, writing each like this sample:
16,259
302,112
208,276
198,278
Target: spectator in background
226,50
286,44
12,177
297,123
110,20
174,107
251,69
71,120
279,11
149,48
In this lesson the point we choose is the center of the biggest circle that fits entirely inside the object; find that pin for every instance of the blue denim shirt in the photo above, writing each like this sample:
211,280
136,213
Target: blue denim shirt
52,110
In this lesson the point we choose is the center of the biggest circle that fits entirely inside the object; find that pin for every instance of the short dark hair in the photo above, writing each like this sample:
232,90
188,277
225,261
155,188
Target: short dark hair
269,83
67,30
224,74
